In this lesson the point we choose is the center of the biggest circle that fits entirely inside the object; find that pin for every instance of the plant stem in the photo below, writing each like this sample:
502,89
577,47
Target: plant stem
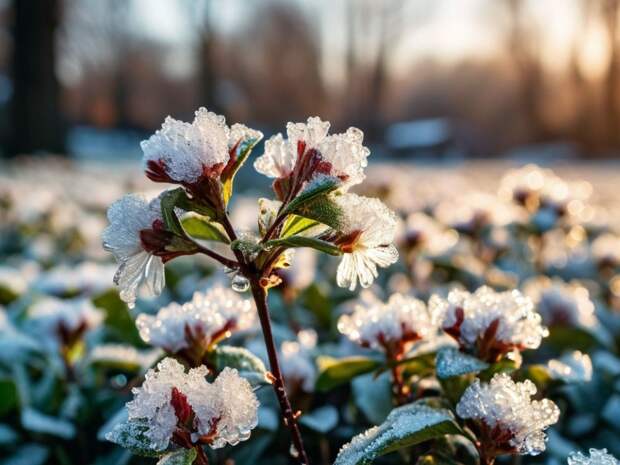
398,386
260,297
216,256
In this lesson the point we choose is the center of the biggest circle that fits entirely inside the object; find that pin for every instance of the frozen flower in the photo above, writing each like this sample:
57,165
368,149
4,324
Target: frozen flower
574,367
367,236
391,327
137,237
183,408
596,457
298,366
504,418
65,320
606,250
309,151
124,354
421,232
489,323
560,303
187,152
199,323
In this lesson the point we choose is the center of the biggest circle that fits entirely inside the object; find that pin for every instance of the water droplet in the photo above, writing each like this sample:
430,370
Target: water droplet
240,283
293,451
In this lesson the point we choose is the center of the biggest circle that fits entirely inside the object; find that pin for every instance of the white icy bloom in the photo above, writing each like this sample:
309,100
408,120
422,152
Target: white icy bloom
226,409
297,362
422,231
560,303
85,278
508,419
389,326
368,233
574,367
596,457
128,216
208,317
184,152
344,152
124,354
606,249
55,316
492,322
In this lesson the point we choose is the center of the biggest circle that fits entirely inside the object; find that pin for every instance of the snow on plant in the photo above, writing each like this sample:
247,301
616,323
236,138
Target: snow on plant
505,419
490,324
595,457
573,367
298,365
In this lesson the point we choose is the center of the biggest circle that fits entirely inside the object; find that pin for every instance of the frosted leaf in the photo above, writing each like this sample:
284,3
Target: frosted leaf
128,216
397,323
296,360
574,367
370,228
37,422
404,426
322,419
509,419
452,362
179,457
56,317
249,365
132,435
596,457
124,355
208,317
490,323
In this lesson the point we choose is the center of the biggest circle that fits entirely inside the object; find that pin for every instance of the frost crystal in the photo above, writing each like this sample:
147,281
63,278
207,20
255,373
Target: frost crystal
367,240
184,152
204,320
128,217
342,155
220,413
574,367
391,327
506,419
560,303
489,323
298,365
65,319
597,457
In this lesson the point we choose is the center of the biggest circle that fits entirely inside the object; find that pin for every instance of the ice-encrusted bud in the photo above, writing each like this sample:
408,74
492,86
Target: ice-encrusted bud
199,323
573,367
366,239
488,323
390,327
309,151
560,303
504,418
185,153
182,407
596,457
137,238
298,366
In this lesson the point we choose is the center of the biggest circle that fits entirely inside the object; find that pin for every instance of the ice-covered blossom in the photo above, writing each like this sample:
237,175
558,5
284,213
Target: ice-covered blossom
367,236
132,237
298,366
182,407
421,232
606,250
186,152
573,367
489,323
505,418
207,318
64,320
390,327
596,457
309,151
560,303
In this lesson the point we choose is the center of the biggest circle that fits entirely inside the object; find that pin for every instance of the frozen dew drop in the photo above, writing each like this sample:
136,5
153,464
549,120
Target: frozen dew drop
240,283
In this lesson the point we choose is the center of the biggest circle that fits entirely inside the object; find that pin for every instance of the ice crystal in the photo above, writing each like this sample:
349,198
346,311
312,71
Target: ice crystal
208,317
187,151
225,410
128,216
560,303
452,362
574,367
506,417
59,318
368,230
488,322
390,326
596,457
298,365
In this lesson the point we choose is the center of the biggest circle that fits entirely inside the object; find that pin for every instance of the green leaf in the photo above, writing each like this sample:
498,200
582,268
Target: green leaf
373,396
132,435
505,365
314,190
229,173
404,427
324,210
301,241
169,201
321,420
295,224
565,337
201,227
117,318
452,362
538,374
249,365
420,365
9,398
179,457
334,372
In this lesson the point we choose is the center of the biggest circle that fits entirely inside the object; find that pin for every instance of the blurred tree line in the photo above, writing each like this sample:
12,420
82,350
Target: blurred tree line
82,62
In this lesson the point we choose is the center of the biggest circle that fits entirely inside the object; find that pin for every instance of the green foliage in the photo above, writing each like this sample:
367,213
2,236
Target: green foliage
9,398
301,241
249,365
334,372
228,175
201,227
132,435
117,319
452,362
